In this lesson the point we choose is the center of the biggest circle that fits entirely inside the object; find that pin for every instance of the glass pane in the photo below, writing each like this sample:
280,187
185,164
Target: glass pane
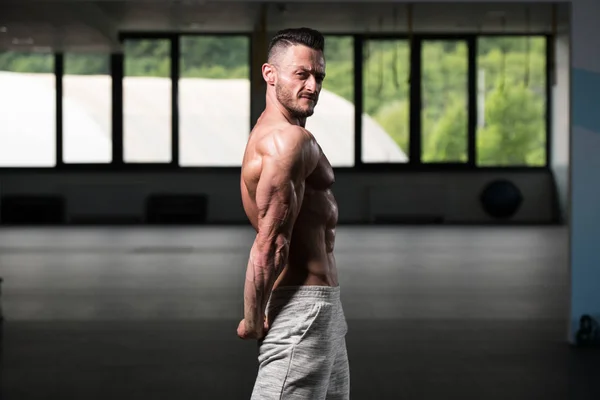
87,110
147,103
385,122
511,100
332,124
214,100
444,101
28,104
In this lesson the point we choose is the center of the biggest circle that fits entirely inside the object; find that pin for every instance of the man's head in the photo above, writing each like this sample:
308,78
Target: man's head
295,69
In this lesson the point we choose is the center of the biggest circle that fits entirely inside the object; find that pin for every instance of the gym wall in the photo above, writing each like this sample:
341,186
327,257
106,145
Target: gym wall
394,196
363,198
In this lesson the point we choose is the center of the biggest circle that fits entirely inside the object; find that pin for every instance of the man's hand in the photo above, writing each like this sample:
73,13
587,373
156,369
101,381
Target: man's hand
245,333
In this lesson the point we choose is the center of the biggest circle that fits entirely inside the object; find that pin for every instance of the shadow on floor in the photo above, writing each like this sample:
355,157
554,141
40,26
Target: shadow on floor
390,359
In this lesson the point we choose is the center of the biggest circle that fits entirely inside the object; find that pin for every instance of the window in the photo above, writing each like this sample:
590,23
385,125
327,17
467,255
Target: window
508,82
28,104
332,124
385,120
214,100
444,101
511,99
87,111
147,117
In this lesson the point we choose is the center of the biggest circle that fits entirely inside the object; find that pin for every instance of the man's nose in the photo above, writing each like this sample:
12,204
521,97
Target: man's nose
311,84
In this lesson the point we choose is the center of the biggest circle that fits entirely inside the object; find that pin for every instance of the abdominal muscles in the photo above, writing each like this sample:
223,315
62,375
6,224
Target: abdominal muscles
313,237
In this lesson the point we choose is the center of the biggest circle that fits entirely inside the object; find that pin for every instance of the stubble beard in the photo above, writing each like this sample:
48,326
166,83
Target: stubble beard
287,100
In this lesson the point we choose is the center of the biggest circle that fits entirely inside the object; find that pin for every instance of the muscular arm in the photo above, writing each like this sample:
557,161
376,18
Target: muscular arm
289,159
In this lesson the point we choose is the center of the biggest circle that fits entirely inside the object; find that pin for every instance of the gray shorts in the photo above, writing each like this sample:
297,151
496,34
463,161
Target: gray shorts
304,354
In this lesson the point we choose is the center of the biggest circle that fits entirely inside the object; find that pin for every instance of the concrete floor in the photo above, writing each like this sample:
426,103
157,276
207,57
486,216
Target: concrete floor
151,313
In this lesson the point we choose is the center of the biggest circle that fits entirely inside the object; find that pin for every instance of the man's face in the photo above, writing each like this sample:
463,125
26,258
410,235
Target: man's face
300,75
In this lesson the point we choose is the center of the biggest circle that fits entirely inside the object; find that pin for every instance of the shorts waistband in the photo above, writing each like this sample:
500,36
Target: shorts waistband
306,292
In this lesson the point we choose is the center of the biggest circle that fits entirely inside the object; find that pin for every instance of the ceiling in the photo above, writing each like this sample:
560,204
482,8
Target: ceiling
80,25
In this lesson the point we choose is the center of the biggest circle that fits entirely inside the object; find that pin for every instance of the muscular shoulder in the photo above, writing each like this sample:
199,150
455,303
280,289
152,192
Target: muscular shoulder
286,141
290,148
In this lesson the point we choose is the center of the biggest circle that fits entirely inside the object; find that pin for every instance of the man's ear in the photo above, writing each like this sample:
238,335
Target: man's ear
269,74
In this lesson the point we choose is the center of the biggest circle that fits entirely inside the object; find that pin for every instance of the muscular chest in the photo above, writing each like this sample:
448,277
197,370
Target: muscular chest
322,178
318,197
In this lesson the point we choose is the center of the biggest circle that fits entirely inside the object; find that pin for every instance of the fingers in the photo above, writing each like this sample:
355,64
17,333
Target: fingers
241,329
244,333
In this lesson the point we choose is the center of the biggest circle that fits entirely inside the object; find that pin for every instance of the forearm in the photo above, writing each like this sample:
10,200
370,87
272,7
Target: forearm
253,294
264,266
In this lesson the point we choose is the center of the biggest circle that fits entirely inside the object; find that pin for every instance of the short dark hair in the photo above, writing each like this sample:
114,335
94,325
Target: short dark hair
296,36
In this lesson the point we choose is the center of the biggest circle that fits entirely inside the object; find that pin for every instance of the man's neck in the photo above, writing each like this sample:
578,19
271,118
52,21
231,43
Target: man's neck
275,106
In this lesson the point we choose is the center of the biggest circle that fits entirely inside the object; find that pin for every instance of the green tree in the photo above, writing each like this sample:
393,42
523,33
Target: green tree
87,64
514,128
385,73
37,63
214,57
339,65
447,141
386,87
444,94
394,118
339,49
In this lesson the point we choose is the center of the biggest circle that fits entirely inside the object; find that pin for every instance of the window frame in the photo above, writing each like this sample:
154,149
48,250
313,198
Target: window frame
414,164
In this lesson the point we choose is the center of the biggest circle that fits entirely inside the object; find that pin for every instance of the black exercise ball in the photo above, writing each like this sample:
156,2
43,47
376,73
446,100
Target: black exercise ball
501,199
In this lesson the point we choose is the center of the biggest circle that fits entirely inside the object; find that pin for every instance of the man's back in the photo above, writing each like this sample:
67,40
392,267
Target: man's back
287,158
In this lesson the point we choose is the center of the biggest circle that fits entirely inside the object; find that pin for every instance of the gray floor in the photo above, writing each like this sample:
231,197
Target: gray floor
142,313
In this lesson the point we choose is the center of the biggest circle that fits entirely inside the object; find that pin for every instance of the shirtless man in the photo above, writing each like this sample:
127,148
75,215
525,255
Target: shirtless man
291,295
